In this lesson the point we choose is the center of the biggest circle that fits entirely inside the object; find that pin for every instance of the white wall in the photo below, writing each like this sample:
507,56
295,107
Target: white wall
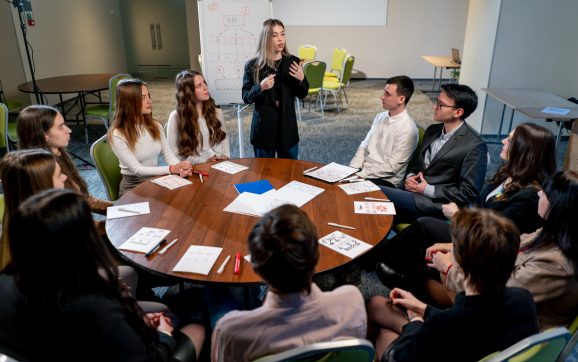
74,37
11,68
414,28
536,47
481,29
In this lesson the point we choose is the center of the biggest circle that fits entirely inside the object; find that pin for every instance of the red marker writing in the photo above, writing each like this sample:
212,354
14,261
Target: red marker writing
201,173
237,269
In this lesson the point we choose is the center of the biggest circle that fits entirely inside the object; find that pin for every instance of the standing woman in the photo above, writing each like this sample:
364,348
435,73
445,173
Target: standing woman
195,131
272,80
40,126
137,138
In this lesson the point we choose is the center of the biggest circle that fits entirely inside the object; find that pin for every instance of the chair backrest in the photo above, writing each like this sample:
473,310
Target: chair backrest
347,69
544,346
314,72
343,350
112,83
338,59
107,166
307,52
3,126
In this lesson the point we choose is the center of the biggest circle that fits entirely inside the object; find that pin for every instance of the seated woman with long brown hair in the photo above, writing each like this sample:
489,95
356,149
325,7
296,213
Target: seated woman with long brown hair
24,173
41,126
195,130
63,297
137,139
547,264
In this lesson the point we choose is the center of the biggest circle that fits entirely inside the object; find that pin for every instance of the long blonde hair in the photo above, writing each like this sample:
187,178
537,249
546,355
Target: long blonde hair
265,51
129,119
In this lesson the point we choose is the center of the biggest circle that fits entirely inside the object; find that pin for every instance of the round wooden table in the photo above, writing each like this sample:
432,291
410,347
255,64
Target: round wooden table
195,216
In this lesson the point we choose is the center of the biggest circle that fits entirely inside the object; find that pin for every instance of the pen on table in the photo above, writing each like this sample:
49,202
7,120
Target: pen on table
237,269
310,169
201,177
128,210
340,226
159,244
353,180
376,199
200,173
222,267
168,246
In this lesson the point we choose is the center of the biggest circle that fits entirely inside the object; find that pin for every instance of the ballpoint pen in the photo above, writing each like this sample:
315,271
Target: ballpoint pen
340,226
156,247
168,246
128,210
222,267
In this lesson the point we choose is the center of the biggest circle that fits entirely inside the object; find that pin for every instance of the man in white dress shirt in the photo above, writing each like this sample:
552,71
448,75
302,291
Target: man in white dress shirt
385,152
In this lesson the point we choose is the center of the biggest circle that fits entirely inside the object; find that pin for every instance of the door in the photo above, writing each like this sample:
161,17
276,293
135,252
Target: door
155,33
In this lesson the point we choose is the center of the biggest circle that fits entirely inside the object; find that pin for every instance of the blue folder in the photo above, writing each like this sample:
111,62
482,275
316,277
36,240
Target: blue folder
255,187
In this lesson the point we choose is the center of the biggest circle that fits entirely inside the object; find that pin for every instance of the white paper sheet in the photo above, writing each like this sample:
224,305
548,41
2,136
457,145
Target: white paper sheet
332,172
298,193
229,167
116,212
254,205
198,259
557,111
171,182
359,187
344,244
144,240
381,208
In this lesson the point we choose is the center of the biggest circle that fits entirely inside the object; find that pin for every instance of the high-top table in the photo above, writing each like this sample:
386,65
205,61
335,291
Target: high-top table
195,216
530,102
441,62
80,84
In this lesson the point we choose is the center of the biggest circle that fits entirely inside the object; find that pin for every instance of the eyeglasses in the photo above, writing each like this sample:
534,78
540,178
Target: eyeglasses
440,105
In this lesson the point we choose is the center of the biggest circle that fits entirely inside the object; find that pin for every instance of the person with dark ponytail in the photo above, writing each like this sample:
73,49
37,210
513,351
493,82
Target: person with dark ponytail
195,130
63,297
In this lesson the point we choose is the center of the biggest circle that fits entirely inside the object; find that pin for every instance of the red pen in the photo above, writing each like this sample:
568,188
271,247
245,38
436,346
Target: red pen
200,173
237,269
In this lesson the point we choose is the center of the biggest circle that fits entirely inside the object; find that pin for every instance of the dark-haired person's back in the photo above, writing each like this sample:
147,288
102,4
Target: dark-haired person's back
284,252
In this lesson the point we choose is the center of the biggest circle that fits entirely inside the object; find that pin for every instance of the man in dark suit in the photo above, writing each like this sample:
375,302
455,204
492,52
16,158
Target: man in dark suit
452,160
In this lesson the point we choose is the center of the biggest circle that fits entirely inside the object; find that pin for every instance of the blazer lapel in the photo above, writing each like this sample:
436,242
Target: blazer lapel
449,144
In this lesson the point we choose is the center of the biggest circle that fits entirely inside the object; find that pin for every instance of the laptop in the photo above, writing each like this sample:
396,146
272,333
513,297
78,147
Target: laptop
456,56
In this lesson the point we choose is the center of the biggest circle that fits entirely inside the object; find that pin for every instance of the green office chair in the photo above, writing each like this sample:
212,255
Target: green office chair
314,72
335,87
105,112
337,62
3,126
541,347
307,53
12,106
107,165
573,328
342,350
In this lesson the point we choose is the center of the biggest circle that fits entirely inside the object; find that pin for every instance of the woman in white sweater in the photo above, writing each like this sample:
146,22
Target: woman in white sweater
195,130
137,138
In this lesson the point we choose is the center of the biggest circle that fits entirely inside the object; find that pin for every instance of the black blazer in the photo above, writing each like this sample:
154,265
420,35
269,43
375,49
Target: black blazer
265,125
520,206
457,170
